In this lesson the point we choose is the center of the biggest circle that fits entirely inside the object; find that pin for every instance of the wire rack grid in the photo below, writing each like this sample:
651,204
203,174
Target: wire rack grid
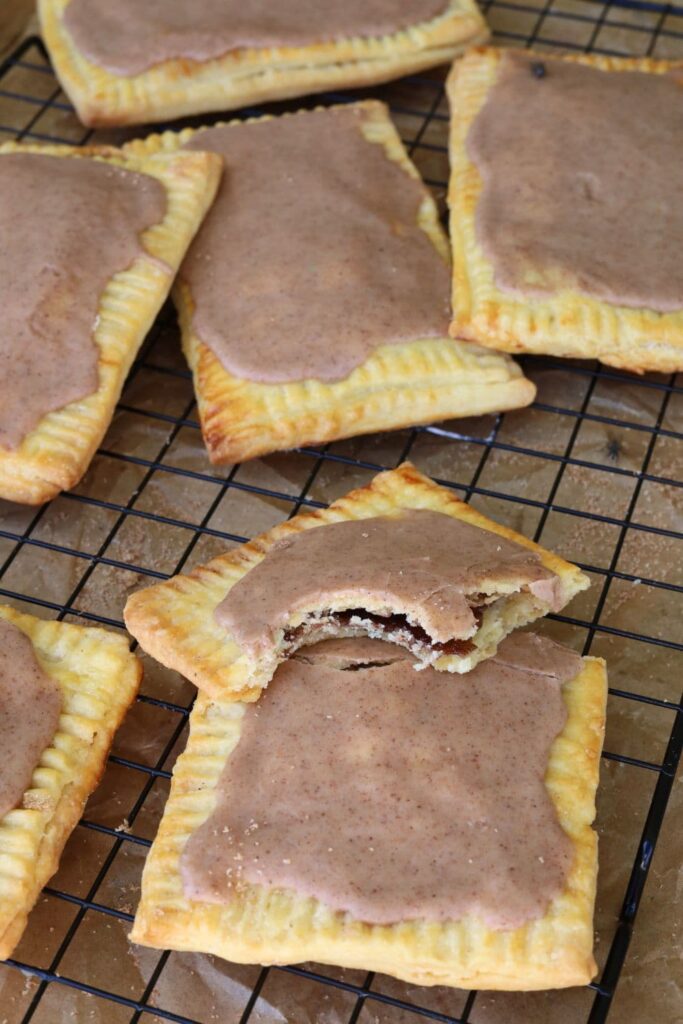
622,435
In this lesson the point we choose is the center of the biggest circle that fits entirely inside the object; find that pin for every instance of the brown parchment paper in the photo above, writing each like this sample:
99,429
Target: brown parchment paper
510,484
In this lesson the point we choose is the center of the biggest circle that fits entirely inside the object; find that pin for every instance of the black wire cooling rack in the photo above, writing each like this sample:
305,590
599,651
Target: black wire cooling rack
34,108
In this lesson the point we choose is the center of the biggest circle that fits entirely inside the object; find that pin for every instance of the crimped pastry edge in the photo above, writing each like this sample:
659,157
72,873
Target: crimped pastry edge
99,678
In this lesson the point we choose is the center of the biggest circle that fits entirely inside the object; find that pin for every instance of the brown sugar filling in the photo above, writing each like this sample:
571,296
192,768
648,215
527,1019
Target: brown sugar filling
394,628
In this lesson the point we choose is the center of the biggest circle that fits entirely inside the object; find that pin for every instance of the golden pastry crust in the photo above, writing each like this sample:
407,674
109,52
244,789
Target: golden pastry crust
397,386
277,926
54,456
98,677
174,621
568,323
180,87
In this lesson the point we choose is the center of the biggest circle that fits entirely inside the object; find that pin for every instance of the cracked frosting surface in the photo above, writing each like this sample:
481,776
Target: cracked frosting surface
395,795
311,256
425,565
582,181
131,36
73,224
30,705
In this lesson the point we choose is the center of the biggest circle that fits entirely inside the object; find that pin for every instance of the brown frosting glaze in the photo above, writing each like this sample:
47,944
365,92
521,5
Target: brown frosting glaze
395,795
74,223
30,705
129,36
424,565
311,256
582,169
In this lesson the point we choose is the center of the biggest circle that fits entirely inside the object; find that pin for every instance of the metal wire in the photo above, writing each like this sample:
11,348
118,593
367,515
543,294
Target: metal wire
31,57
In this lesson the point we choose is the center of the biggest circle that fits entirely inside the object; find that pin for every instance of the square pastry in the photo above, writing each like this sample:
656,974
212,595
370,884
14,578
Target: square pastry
431,827
126,62
401,559
314,302
97,237
566,210
63,692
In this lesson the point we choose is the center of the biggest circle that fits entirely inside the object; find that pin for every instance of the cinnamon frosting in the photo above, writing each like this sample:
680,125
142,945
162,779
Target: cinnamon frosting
30,705
394,795
582,181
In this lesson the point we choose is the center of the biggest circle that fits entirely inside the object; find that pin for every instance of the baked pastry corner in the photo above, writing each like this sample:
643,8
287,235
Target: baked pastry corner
98,677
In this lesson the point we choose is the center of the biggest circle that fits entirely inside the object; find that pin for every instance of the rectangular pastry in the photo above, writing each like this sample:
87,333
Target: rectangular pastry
97,236
402,559
314,302
429,827
126,62
566,210
63,692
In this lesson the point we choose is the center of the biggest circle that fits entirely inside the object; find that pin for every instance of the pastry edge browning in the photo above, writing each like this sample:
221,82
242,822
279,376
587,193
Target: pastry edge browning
276,926
397,386
99,678
174,620
54,456
181,87
568,323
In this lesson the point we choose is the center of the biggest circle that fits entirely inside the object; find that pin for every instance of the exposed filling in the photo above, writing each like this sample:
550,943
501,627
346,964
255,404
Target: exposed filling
582,168
393,628
30,705
73,224
311,256
429,575
395,795
130,36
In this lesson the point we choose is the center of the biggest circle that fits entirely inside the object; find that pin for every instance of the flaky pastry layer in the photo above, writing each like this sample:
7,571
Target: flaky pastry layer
98,677
261,925
174,620
567,323
398,385
179,87
54,456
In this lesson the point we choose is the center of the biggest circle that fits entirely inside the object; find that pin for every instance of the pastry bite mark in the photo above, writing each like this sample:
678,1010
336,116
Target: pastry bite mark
412,766
131,63
265,385
419,578
74,224
546,267
418,800
310,261
100,235
175,620
85,679
128,38
30,705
